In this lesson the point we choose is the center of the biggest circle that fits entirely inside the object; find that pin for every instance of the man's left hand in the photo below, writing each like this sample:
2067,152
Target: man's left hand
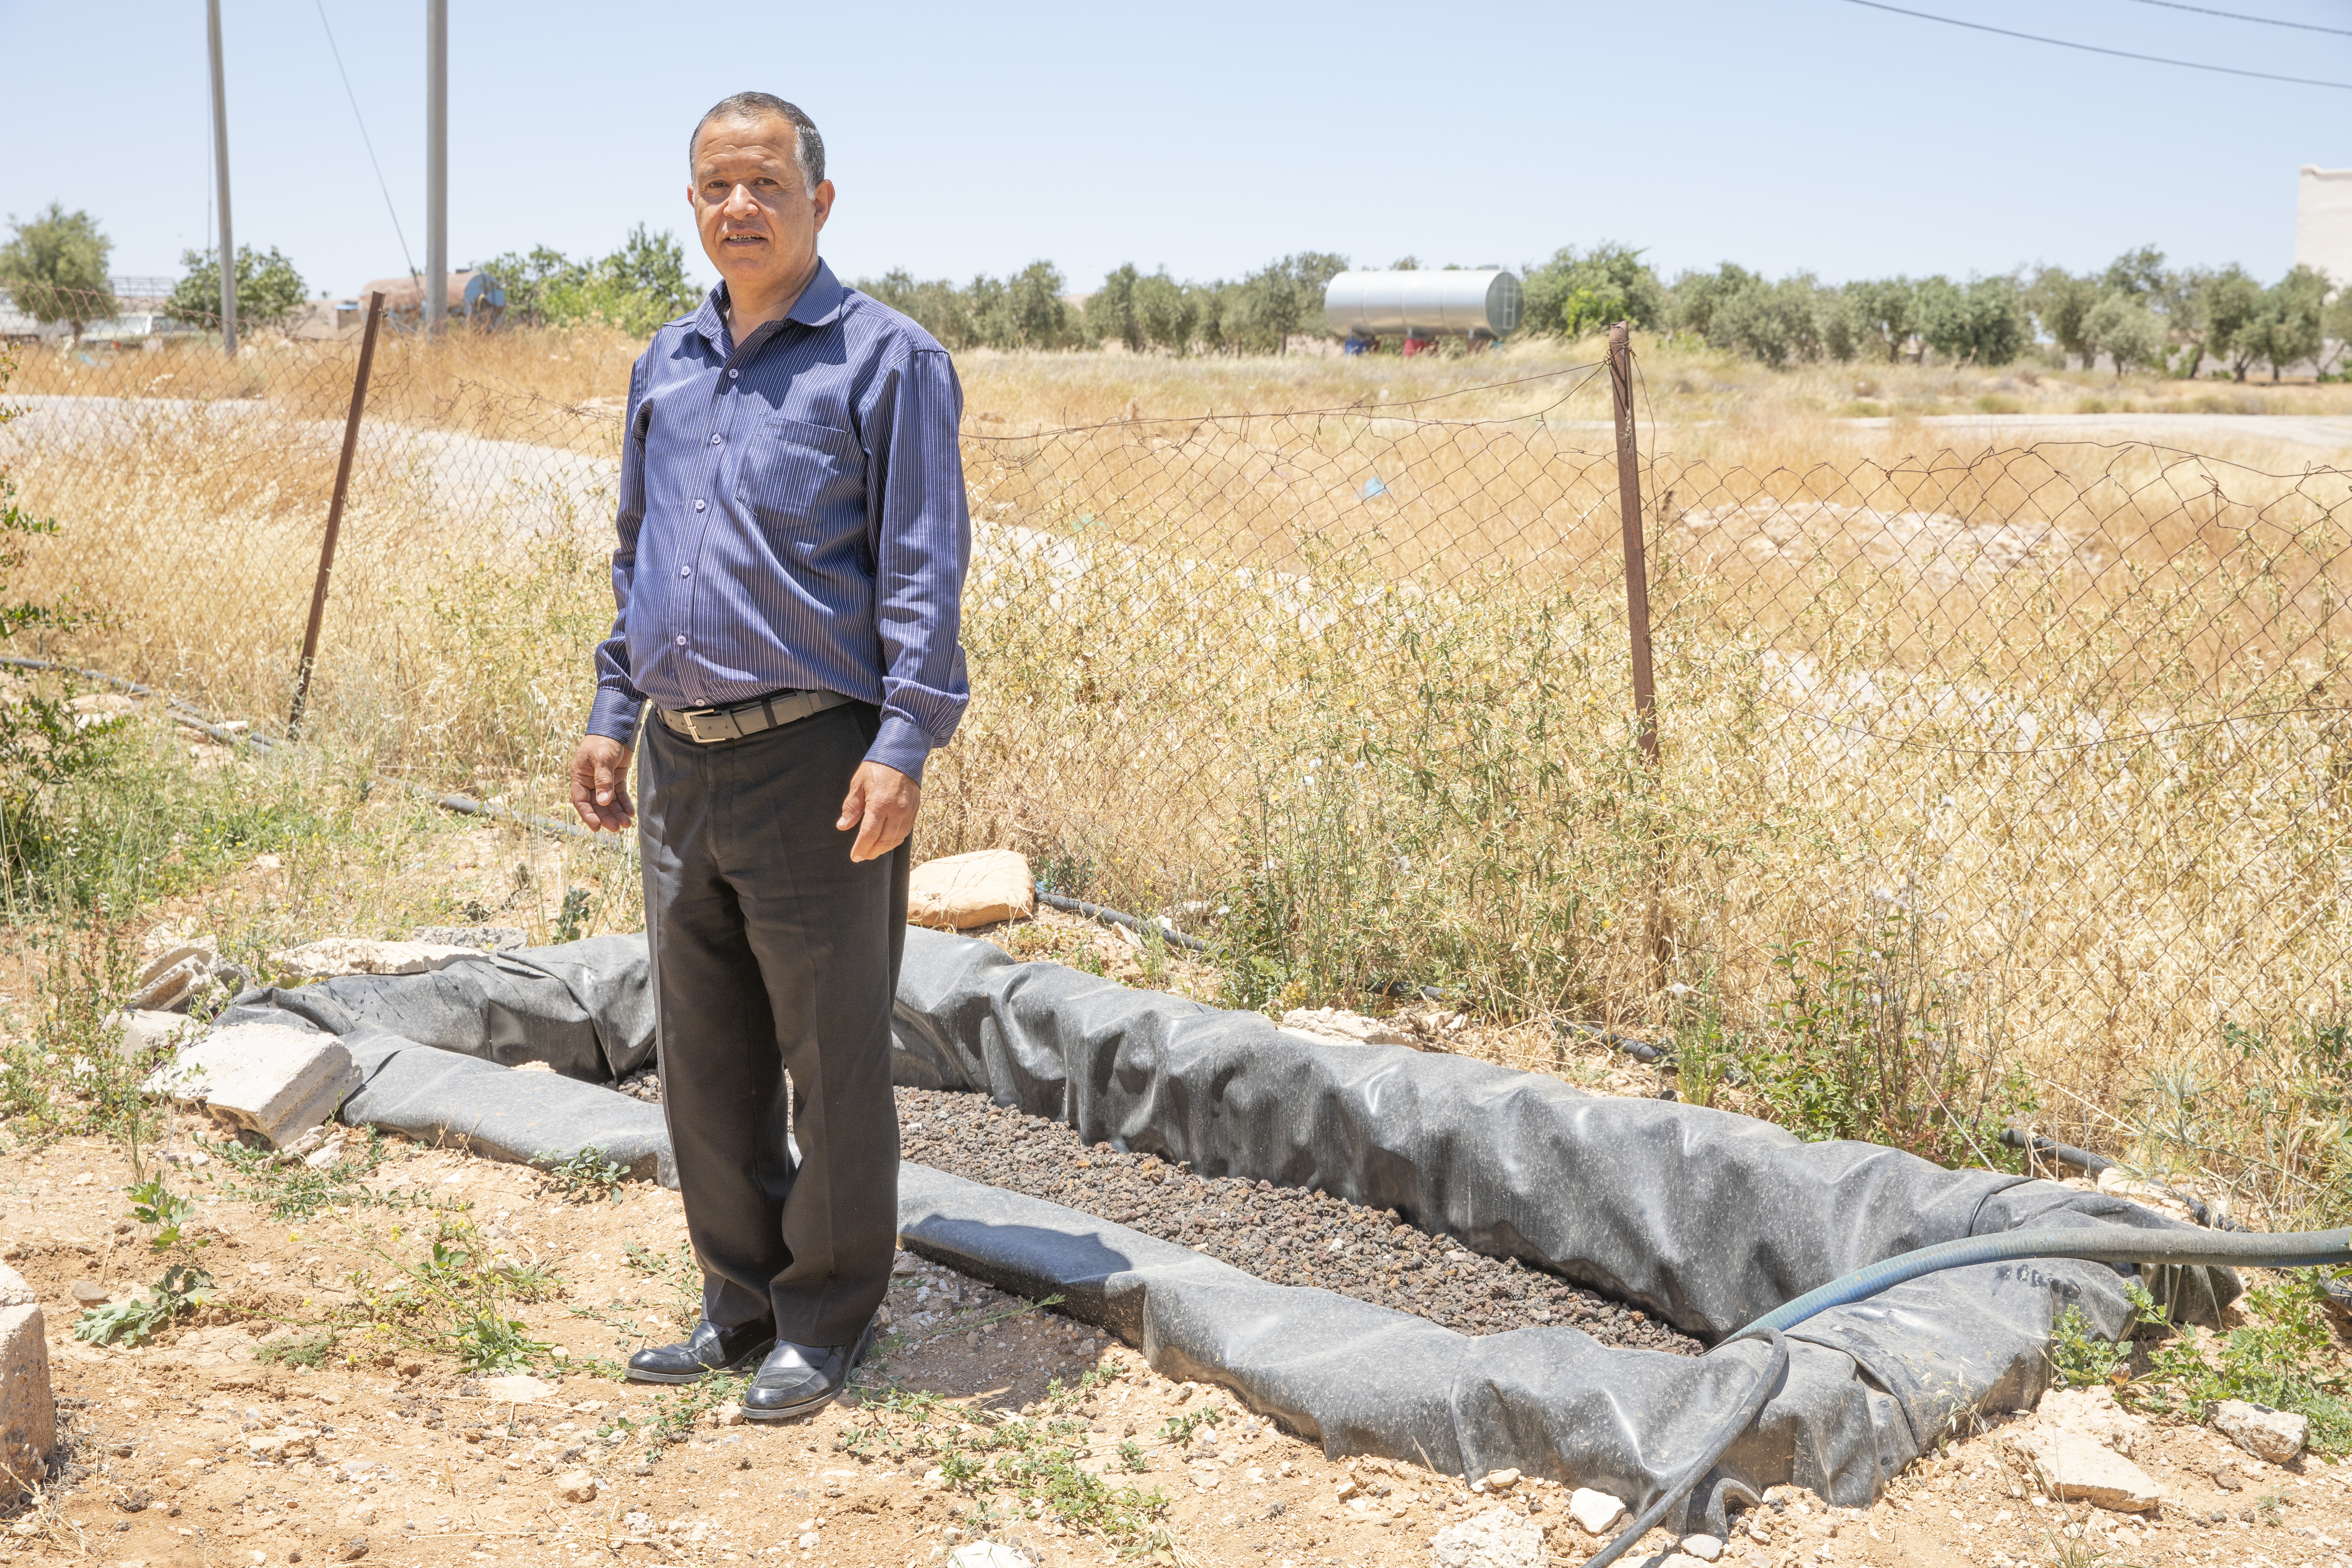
881,804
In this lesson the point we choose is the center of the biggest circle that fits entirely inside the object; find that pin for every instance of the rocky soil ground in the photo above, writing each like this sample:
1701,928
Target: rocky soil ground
194,1449
1279,1234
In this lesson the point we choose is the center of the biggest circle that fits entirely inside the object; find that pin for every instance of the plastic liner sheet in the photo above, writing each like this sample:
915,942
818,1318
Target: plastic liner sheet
584,1008
1551,1401
1706,1218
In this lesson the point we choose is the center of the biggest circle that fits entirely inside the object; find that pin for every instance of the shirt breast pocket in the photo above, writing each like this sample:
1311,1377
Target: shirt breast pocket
797,470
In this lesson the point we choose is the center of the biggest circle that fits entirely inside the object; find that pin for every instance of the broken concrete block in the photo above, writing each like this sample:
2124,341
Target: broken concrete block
146,1030
2078,1469
28,1410
2094,1413
335,955
174,975
515,1388
960,891
1339,1027
1705,1547
1597,1512
1498,1538
2277,1436
577,1485
266,1078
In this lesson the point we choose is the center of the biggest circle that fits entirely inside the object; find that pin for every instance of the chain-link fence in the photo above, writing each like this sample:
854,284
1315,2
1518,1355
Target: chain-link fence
2015,775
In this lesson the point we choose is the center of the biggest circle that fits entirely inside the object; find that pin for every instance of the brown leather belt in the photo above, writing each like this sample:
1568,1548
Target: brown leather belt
710,725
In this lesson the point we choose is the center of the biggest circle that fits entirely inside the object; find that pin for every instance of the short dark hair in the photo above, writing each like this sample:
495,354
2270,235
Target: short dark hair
808,147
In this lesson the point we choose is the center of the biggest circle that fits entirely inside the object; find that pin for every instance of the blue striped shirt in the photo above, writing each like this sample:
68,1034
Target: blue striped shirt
792,516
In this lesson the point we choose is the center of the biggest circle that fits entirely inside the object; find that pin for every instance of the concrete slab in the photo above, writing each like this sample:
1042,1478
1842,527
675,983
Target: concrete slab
268,1078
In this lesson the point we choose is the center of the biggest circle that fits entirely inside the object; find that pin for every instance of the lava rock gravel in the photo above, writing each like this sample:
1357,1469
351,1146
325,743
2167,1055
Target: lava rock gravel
1282,1235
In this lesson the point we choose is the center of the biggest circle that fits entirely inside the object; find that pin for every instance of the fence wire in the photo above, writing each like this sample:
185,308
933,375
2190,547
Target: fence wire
2029,755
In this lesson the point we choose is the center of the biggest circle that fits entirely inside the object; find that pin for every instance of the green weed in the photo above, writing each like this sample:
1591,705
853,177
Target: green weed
2281,1359
298,1349
165,1211
292,1189
180,1290
454,1299
587,1175
1025,1464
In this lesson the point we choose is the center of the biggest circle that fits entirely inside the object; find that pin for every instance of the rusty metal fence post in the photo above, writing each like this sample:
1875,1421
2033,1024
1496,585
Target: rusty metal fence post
1629,511
334,517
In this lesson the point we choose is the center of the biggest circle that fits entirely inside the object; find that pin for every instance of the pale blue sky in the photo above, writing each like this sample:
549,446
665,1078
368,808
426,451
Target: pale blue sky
1209,137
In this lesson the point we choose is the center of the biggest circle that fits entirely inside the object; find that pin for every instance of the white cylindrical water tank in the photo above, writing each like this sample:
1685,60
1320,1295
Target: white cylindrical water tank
1484,304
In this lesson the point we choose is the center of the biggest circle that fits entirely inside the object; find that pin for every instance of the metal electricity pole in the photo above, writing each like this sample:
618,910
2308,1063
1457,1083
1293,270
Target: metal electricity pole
220,178
436,163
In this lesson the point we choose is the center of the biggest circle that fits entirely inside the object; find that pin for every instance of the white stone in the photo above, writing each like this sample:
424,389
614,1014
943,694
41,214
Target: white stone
1339,1027
1705,1547
960,891
978,1554
1597,1512
1496,1539
336,955
2094,1413
272,1079
1502,1481
2075,1467
577,1485
144,1030
2277,1436
29,1409
517,1388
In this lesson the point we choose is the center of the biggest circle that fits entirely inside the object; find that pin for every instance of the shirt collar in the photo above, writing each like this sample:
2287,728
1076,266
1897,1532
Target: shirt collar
820,304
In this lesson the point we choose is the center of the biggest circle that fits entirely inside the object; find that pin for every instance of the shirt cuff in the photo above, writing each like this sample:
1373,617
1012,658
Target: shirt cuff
900,744
615,715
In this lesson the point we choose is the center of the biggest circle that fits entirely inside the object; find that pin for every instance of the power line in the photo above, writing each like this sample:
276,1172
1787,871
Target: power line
2241,16
364,137
2097,49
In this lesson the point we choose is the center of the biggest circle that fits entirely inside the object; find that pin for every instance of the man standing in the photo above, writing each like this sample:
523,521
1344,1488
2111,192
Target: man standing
792,543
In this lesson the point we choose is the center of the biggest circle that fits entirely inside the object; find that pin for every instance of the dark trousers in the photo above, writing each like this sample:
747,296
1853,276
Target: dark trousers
775,959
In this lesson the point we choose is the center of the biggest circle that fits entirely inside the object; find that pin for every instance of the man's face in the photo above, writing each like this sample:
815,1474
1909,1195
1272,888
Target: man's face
758,224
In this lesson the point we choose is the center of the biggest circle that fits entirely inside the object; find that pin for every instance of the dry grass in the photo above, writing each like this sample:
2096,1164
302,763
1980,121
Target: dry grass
2023,763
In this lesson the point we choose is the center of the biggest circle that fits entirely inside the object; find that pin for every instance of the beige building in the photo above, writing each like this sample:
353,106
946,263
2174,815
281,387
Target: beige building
2323,223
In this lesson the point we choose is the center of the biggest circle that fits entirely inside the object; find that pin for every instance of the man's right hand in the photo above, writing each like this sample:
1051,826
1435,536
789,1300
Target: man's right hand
600,783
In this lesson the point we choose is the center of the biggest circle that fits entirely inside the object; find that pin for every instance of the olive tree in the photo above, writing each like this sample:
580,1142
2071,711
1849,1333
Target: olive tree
2125,330
268,291
54,268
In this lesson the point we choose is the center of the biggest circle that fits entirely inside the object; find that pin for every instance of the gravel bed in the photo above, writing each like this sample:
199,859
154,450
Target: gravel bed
1282,1235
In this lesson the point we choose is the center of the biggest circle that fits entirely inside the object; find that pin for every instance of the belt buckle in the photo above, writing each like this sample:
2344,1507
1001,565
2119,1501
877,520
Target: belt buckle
694,717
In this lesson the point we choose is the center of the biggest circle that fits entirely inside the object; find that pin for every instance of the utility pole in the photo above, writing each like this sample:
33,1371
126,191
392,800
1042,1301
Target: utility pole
436,163
220,178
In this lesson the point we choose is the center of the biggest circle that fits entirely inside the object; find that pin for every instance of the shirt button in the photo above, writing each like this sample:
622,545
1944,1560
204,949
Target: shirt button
685,571
698,506
714,438
733,374
681,641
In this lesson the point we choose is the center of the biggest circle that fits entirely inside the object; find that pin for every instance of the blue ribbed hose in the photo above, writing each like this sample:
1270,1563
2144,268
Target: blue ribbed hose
2103,1244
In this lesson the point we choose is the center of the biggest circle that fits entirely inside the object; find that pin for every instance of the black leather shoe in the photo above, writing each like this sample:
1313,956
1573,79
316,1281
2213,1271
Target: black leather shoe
797,1379
707,1350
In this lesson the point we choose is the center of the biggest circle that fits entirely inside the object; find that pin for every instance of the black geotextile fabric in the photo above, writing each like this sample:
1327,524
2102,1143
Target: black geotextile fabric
434,1051
1707,1218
